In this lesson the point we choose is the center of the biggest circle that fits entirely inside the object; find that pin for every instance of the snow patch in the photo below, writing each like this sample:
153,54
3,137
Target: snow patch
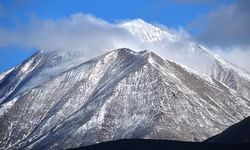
4,107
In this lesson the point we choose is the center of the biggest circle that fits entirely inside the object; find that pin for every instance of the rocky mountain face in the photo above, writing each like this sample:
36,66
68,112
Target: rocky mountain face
121,94
233,77
60,99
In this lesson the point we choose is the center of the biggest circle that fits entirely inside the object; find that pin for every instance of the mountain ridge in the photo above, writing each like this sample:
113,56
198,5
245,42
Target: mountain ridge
83,102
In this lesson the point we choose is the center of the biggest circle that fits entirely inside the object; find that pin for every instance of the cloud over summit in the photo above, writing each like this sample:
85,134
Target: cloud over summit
81,32
78,31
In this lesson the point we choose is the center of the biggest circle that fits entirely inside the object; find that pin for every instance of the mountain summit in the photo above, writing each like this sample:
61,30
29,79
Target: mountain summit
120,94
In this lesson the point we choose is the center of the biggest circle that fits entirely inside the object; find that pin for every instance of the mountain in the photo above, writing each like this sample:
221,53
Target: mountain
121,94
61,99
237,133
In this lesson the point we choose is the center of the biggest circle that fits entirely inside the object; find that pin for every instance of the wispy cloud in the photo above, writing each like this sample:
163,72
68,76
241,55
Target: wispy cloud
225,30
238,55
76,32
225,26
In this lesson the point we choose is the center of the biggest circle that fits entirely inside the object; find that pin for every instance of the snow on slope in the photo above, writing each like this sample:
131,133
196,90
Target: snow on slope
2,75
121,94
232,76
41,67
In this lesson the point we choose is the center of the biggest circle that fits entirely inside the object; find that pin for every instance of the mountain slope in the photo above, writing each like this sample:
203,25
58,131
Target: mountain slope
121,94
232,76
39,68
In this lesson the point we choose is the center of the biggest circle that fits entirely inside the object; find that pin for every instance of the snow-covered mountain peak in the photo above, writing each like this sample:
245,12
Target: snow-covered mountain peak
147,32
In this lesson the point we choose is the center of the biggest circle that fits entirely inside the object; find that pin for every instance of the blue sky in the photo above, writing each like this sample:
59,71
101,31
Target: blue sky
167,12
172,13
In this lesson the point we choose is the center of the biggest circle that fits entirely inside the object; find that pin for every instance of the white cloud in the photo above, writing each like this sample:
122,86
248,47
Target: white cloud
94,36
76,32
228,25
237,55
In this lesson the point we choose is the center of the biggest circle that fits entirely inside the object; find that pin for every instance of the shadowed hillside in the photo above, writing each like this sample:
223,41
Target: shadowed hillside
136,144
237,133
